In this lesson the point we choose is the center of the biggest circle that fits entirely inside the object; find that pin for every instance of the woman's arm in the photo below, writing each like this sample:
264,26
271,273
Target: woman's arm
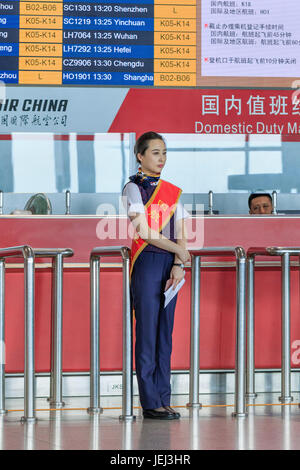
180,236
177,273
155,238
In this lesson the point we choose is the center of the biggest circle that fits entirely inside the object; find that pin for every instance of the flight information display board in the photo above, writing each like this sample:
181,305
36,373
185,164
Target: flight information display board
99,42
149,42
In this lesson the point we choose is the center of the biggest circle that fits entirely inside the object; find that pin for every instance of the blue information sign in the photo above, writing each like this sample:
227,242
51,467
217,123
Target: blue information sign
102,42
114,42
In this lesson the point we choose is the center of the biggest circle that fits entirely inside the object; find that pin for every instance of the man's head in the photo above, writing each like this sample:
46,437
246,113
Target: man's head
260,203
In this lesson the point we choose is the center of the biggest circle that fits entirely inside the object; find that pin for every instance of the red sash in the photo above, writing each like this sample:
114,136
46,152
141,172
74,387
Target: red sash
159,210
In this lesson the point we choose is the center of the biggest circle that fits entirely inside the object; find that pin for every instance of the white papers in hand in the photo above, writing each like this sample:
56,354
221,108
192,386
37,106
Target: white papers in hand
170,293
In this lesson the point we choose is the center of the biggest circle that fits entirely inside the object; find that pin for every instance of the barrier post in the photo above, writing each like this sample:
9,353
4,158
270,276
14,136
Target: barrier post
274,202
127,388
95,339
240,361
250,372
56,335
29,370
284,253
195,334
68,202
57,256
240,356
127,384
27,254
285,329
210,203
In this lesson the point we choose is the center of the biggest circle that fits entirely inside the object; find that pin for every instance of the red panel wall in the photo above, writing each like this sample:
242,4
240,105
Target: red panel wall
217,317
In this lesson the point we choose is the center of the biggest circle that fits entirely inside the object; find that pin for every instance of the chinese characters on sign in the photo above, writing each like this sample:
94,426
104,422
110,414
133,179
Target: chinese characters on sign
256,105
35,120
28,113
251,112
258,38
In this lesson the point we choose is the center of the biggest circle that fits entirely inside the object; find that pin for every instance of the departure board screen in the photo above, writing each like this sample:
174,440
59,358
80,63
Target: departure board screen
160,43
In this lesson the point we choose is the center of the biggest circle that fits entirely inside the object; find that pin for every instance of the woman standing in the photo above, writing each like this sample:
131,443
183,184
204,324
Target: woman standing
158,256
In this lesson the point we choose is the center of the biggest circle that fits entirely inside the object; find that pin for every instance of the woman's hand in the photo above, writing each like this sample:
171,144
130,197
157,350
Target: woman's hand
183,255
177,274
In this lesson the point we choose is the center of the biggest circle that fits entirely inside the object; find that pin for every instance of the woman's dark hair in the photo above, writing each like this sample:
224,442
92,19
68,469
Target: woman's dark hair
142,143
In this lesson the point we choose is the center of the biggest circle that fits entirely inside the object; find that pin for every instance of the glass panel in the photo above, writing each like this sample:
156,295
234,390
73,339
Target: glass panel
262,161
49,163
95,167
33,163
223,163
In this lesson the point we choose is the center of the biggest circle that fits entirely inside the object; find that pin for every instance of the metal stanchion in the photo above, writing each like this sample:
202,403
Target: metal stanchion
94,336
27,253
57,255
195,334
29,372
127,385
285,254
210,203
240,355
239,253
1,202
250,376
68,202
285,330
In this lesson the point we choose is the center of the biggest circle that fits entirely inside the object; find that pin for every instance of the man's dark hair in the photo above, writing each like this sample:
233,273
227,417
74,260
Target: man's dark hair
142,143
255,195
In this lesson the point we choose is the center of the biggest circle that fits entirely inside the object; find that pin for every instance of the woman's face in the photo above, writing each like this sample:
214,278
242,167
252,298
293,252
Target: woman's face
154,157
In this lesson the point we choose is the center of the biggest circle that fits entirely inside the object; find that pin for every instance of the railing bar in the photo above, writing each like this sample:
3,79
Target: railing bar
240,383
285,253
127,387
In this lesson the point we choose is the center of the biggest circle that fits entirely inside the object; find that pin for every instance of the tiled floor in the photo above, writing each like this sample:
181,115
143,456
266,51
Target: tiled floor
212,427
